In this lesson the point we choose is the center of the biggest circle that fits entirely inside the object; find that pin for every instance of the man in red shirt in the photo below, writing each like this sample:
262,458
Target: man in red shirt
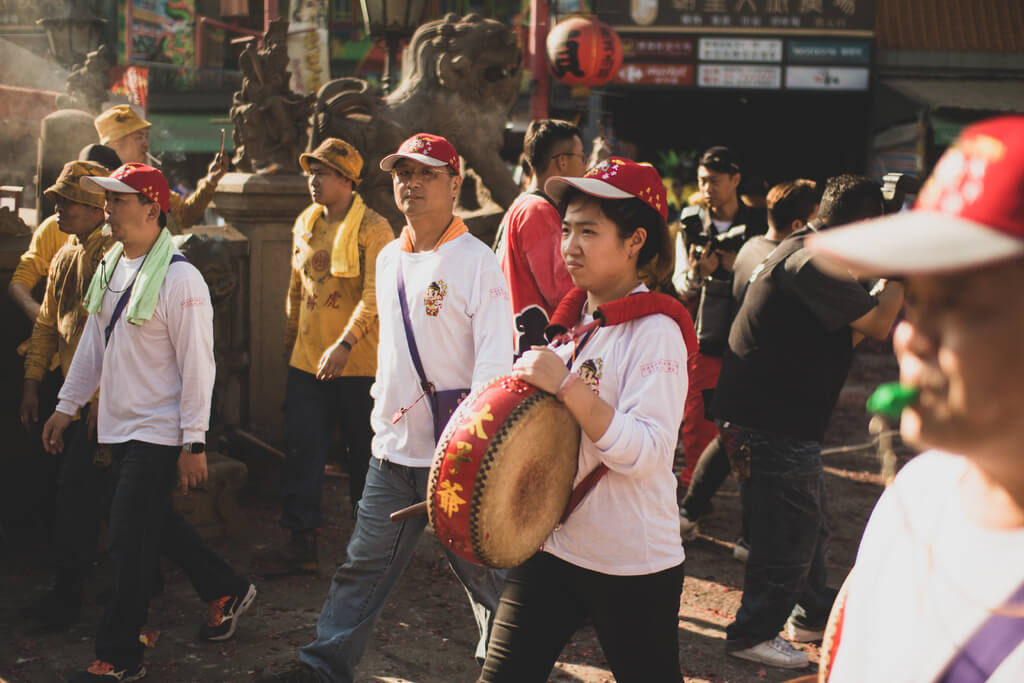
530,236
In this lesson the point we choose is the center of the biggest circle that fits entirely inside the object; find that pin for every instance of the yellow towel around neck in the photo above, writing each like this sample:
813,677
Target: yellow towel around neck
345,252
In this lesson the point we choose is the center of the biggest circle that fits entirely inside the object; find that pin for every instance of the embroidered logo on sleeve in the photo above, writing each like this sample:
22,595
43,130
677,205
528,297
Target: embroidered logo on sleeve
590,371
192,302
669,367
433,299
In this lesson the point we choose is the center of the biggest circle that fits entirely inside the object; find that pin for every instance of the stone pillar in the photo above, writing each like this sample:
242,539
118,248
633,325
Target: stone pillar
264,208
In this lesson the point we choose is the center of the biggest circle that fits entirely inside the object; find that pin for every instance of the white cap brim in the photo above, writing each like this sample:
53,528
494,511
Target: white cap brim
102,184
388,162
556,187
914,242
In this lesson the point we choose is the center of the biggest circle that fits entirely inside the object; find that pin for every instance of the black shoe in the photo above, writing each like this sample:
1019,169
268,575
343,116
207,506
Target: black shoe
105,672
297,673
224,614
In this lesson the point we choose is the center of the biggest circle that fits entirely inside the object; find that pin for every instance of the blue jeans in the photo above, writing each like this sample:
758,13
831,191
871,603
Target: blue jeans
144,524
312,410
782,489
377,554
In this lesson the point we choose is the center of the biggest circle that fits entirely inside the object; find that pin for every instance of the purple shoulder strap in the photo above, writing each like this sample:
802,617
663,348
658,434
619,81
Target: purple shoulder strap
123,302
409,337
990,645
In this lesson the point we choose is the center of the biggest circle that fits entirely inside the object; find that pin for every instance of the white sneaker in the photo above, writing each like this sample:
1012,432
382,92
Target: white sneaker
798,634
775,652
741,550
688,528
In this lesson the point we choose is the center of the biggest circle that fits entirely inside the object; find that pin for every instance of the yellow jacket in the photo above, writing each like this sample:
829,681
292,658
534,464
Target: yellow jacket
186,212
35,262
322,308
62,316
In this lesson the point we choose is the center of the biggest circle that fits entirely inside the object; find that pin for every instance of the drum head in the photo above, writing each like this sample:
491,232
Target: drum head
524,482
502,473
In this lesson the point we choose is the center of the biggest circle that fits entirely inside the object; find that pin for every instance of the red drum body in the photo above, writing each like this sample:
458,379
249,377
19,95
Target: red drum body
502,473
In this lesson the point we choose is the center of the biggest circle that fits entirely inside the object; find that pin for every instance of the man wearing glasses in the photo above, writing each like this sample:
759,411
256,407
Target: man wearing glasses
530,235
456,305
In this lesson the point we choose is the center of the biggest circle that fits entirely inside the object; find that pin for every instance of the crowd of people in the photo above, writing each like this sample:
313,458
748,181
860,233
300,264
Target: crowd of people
742,330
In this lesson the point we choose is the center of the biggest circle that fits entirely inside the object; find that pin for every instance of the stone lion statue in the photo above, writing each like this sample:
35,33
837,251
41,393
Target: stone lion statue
460,78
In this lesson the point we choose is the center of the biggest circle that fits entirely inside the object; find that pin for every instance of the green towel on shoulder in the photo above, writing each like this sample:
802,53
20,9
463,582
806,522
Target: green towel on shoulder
146,292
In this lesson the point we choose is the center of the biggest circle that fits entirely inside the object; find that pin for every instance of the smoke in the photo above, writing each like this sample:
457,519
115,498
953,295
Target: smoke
19,131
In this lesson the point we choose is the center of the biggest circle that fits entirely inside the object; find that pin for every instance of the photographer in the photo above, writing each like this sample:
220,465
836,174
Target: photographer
790,206
706,247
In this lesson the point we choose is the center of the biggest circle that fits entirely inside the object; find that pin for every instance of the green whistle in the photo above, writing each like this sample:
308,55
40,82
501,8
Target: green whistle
890,399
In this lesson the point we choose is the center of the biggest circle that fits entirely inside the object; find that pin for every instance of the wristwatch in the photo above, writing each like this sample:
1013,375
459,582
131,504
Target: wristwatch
194,447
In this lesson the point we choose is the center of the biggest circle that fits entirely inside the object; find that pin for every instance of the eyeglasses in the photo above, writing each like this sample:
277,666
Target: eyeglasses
423,174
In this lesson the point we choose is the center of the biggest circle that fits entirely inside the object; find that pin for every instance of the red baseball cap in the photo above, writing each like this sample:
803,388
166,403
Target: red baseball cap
432,150
969,213
616,178
135,179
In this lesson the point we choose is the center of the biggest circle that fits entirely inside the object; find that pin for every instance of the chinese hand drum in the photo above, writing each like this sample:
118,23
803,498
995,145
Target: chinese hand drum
502,473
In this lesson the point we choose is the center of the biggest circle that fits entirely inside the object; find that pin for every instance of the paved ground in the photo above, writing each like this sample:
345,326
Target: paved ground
426,633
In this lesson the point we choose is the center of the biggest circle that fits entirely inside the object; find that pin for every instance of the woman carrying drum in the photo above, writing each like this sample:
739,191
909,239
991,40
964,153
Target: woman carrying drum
618,558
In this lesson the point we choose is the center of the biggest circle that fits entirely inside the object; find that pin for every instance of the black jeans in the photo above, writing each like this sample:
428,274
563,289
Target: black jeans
547,599
708,476
143,524
782,488
84,489
312,410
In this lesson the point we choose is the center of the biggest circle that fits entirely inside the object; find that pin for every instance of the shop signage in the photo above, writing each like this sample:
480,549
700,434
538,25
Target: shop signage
308,42
657,47
655,74
826,78
739,76
828,51
805,16
740,50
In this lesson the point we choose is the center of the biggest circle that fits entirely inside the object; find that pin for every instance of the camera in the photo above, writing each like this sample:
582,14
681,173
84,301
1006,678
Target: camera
896,187
730,240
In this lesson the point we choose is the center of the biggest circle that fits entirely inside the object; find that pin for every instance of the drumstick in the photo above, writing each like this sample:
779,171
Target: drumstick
411,511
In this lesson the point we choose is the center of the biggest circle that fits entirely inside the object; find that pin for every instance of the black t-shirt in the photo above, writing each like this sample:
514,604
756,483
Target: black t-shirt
750,256
790,346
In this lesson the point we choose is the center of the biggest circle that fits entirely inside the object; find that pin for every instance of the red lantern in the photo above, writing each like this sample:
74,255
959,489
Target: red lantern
584,51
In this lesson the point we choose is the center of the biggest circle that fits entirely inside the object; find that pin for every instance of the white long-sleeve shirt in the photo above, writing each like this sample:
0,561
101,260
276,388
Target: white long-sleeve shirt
459,310
628,524
927,577
155,379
